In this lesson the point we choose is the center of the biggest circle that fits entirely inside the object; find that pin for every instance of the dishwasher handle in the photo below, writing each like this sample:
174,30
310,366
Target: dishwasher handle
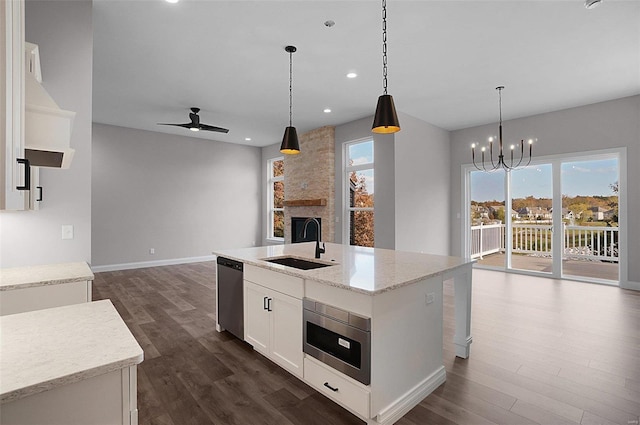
232,264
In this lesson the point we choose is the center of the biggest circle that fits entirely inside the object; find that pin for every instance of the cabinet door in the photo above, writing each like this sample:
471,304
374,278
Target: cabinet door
13,189
256,317
286,332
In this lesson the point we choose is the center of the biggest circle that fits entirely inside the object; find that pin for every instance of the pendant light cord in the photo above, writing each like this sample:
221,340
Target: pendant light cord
290,86
500,101
384,45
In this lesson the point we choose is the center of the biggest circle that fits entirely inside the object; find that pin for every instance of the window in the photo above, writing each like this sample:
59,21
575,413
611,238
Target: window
275,191
358,190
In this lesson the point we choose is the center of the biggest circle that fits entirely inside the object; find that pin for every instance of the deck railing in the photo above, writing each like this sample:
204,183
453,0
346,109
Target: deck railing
580,242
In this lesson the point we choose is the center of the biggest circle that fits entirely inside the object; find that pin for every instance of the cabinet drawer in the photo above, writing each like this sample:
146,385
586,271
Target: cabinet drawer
290,285
348,394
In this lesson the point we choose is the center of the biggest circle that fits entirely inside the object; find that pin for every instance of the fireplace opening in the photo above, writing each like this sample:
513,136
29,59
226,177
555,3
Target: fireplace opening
297,227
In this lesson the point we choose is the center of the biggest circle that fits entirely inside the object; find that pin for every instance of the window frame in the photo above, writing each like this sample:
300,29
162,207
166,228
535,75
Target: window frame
346,170
271,209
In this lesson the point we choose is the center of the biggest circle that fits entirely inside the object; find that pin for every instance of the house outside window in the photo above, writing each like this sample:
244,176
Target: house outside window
359,193
275,191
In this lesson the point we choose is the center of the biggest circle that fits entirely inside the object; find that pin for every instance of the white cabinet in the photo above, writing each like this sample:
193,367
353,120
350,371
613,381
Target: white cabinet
38,287
273,319
106,399
338,387
14,167
256,322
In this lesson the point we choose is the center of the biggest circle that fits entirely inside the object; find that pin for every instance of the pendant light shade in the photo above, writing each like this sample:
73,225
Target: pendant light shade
386,120
290,145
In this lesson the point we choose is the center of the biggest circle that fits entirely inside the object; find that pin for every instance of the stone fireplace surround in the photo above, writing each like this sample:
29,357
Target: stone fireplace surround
309,181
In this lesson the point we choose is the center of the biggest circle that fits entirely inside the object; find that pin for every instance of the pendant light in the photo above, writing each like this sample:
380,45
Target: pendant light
385,120
290,145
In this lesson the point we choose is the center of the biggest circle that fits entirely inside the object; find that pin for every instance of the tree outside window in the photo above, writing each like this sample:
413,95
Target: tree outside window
276,198
359,184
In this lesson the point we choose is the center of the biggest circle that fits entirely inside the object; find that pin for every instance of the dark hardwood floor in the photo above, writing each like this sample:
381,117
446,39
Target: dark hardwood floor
544,352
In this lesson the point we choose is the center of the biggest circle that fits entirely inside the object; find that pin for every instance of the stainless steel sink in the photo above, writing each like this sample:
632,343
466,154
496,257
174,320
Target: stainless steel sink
297,263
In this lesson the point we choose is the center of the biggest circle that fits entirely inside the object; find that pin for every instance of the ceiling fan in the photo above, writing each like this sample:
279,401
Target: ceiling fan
195,125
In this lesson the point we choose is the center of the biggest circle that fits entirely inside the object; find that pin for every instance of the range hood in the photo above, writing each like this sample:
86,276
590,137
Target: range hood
47,127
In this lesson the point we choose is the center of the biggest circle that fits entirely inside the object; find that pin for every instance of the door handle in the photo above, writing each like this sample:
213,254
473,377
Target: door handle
27,174
269,304
39,193
264,303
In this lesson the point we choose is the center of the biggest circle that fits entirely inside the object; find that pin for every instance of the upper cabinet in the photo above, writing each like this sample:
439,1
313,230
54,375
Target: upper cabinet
35,131
16,173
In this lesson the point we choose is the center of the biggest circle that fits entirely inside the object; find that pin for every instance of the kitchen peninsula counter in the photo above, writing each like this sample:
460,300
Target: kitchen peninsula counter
44,286
78,360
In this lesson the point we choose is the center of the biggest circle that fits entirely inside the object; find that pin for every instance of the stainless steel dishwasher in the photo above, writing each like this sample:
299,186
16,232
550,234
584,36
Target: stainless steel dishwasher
230,299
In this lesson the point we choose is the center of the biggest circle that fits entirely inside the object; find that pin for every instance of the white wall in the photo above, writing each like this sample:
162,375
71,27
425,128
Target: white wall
182,196
63,31
422,187
612,124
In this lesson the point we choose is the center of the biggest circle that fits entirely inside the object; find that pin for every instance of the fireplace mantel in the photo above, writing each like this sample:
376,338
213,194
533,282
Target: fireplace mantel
306,203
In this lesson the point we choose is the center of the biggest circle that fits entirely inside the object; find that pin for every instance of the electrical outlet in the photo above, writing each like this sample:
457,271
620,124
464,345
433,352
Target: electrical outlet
152,251
429,298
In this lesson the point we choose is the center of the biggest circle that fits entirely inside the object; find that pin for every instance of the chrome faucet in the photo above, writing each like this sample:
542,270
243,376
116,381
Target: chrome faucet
304,235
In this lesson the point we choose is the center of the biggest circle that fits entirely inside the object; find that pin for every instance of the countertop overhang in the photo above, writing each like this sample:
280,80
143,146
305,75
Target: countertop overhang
368,271
50,274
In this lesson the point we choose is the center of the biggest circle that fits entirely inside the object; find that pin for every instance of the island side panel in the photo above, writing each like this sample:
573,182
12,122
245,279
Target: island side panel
406,347
462,301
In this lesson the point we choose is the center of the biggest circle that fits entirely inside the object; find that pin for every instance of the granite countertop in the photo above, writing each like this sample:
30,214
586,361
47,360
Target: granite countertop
51,274
44,349
365,270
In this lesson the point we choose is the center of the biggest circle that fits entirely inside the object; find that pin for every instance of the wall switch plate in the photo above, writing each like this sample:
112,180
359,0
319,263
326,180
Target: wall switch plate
67,231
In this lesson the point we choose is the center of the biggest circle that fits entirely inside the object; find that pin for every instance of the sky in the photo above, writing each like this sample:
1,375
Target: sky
362,153
588,178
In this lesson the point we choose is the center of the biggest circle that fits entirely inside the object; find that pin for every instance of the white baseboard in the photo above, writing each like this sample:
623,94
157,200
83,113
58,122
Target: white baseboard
156,263
630,285
401,407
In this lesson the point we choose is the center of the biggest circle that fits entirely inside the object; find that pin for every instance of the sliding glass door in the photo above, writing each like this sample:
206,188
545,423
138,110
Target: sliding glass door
531,226
557,218
590,215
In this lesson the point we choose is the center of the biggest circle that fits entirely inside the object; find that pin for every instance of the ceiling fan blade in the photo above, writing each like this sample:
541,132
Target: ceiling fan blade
187,125
213,128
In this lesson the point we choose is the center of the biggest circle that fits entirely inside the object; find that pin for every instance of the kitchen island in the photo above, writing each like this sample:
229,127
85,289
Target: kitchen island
67,365
400,293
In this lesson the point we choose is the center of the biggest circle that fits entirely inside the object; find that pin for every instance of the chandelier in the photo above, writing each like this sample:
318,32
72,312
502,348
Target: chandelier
500,163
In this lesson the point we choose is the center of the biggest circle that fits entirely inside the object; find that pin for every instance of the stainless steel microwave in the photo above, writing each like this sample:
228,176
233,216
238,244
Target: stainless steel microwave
338,338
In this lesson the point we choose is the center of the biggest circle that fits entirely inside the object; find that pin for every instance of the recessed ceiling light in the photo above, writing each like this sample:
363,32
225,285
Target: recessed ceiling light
248,139
327,110
352,75
172,1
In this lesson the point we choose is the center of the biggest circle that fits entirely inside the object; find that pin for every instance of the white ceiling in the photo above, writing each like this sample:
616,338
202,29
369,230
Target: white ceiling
153,60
